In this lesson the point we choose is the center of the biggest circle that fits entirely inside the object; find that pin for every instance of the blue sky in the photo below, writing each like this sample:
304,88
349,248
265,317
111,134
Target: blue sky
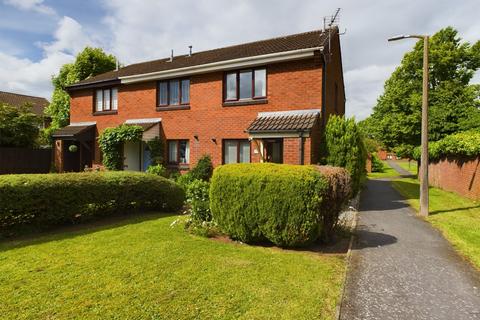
38,36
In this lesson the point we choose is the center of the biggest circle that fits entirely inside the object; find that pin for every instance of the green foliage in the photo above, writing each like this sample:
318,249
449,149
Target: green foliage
377,164
197,193
111,142
88,63
18,126
453,102
203,170
43,200
345,148
157,150
288,205
462,144
158,169
371,145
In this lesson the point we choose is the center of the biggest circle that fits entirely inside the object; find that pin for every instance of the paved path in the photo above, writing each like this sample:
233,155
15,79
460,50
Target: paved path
402,268
399,169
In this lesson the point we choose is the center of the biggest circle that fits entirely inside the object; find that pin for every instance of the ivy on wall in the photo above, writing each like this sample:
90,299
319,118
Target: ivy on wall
111,141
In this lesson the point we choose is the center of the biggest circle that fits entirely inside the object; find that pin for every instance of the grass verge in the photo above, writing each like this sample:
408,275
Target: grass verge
388,172
143,268
409,166
458,218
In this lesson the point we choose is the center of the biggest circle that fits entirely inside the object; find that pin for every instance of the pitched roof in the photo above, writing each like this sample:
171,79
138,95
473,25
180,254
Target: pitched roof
75,131
284,121
17,100
304,40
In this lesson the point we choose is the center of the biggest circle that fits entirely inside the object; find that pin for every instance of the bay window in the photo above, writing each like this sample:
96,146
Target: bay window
245,84
106,100
178,151
236,151
173,92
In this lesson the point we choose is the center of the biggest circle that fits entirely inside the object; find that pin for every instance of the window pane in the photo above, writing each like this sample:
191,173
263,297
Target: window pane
230,151
172,151
245,84
245,151
99,100
106,99
186,91
174,91
231,86
184,151
260,83
114,99
163,93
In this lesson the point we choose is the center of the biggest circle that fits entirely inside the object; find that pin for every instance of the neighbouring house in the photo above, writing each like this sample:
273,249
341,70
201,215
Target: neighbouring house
38,105
386,155
255,102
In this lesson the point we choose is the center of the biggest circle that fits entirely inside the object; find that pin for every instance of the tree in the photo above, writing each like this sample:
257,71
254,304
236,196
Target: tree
453,103
18,126
88,63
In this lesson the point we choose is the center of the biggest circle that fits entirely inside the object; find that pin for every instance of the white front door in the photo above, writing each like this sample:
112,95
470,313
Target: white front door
131,156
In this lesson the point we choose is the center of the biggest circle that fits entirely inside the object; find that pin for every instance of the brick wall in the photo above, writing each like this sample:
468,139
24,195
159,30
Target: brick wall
458,175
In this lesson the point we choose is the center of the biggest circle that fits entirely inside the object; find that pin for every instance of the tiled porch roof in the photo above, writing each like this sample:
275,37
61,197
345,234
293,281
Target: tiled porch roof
80,131
284,121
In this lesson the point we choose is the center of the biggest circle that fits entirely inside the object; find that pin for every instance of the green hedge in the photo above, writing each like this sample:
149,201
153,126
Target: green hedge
42,200
287,205
465,144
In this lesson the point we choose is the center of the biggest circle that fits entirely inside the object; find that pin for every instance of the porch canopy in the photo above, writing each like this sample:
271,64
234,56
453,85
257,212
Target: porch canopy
280,124
80,131
151,127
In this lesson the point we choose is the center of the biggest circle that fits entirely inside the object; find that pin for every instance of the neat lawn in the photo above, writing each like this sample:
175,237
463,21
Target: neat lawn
458,218
388,172
412,167
143,268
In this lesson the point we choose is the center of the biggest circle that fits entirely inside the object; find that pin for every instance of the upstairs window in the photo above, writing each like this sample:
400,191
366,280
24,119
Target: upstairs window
106,100
246,84
173,92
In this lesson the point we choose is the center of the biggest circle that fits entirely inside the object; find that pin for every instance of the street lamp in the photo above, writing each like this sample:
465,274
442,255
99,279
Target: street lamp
424,156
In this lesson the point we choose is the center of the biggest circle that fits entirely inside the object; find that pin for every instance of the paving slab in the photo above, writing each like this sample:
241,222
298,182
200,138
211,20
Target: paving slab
403,268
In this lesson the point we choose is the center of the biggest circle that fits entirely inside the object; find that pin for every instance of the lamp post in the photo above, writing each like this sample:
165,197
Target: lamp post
424,156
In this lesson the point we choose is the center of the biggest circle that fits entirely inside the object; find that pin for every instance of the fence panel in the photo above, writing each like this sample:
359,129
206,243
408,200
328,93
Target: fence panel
24,160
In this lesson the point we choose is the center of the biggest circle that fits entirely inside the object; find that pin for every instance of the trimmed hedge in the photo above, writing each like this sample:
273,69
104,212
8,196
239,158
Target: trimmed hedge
288,205
40,200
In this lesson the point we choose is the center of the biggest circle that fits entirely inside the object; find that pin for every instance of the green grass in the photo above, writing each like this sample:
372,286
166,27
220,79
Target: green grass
412,167
142,268
388,172
458,218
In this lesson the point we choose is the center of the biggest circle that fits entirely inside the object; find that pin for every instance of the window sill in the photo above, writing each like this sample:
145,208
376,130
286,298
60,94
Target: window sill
101,113
244,102
179,107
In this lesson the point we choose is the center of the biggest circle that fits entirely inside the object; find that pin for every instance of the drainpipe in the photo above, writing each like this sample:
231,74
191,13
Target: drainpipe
301,147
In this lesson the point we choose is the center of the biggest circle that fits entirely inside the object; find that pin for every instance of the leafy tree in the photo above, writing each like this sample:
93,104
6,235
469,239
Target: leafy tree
88,63
18,126
453,102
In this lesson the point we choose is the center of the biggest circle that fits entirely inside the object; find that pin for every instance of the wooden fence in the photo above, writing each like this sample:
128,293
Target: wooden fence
24,160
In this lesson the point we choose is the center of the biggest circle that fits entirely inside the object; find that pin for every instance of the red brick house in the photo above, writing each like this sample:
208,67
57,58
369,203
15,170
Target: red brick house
260,101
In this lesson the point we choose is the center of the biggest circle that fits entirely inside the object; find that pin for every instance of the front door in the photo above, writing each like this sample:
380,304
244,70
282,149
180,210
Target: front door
273,150
132,156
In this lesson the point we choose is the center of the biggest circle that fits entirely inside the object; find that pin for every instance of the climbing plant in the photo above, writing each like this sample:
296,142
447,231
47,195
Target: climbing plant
111,141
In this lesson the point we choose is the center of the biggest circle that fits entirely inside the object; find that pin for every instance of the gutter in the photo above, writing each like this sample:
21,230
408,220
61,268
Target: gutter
224,65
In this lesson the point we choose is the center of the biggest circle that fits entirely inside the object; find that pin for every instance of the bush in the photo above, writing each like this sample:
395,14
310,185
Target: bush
42,200
463,144
377,164
203,170
288,205
158,169
198,198
345,148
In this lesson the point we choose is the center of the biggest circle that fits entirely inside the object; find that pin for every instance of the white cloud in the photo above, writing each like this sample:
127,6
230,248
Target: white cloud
34,77
31,5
